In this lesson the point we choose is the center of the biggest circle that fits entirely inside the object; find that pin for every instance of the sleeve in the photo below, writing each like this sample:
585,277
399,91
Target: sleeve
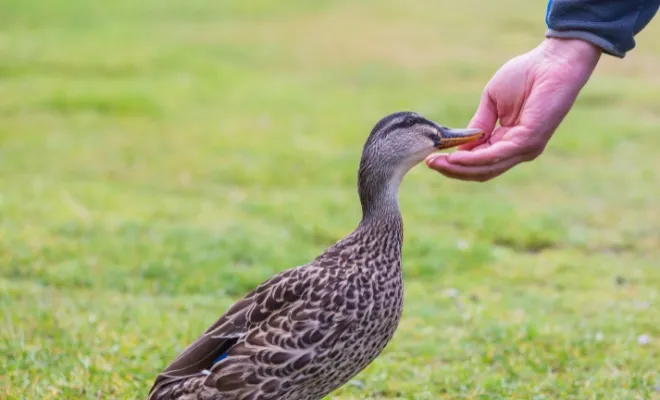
608,24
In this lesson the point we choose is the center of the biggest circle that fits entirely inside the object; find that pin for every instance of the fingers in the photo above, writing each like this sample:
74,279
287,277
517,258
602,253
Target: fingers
511,146
504,142
488,155
484,118
478,173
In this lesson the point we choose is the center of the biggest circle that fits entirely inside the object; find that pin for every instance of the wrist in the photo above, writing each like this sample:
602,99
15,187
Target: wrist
571,51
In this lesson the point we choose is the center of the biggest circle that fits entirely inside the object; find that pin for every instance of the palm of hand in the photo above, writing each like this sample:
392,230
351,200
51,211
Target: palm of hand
529,96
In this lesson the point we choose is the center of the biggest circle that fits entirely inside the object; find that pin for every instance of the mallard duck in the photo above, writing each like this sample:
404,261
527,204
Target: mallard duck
307,330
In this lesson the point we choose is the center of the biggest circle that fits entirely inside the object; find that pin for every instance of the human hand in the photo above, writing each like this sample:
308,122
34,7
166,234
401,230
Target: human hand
530,95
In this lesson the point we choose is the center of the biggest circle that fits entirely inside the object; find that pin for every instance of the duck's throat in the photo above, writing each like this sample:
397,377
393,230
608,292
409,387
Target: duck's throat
379,192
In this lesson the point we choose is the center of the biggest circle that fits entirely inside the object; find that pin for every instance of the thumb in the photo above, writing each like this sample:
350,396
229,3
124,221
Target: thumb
484,118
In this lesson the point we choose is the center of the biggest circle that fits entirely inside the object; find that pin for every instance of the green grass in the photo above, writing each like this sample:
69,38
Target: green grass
160,158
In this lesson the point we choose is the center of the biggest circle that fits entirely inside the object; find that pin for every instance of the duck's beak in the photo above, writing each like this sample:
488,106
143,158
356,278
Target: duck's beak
448,137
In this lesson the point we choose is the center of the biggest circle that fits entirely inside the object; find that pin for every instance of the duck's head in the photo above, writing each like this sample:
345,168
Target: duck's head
397,143
403,139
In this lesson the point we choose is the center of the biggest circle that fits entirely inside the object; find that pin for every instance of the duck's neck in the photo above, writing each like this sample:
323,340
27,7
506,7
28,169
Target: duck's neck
378,190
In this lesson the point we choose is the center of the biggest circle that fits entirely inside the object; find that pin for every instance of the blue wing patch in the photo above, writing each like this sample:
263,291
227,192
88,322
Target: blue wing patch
220,358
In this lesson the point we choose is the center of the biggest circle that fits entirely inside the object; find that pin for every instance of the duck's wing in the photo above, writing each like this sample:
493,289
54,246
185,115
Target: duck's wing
281,351
271,326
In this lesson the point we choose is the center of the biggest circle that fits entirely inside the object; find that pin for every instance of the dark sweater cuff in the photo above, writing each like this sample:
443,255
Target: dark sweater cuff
608,24
606,46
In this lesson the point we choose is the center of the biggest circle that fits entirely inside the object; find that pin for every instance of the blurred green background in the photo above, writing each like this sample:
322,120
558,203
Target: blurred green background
159,158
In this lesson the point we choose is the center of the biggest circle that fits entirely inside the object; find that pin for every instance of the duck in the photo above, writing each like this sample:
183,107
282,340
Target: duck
309,329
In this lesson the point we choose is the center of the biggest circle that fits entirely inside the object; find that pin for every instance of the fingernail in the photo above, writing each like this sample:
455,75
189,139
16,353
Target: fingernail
432,159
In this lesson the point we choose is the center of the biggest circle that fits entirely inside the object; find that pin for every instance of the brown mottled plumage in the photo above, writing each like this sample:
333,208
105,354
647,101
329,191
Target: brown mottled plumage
306,331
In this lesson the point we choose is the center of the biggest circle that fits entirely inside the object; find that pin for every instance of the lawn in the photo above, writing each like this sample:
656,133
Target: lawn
159,158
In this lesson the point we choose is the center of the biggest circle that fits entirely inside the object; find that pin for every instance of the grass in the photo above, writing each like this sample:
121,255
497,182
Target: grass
160,158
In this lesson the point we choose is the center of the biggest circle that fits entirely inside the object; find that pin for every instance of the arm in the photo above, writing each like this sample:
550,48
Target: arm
610,25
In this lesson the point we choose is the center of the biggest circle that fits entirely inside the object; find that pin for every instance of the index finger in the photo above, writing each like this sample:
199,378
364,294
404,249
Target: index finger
484,118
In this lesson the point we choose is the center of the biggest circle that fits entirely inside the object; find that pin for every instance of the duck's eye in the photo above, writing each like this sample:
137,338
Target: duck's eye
410,121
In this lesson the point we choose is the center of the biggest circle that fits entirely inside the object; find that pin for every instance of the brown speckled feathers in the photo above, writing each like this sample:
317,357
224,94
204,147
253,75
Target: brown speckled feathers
290,337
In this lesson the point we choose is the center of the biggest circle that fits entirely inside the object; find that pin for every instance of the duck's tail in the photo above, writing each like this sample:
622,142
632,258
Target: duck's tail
183,388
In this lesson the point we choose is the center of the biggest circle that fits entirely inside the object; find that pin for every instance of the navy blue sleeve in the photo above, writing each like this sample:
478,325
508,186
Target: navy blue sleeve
608,24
